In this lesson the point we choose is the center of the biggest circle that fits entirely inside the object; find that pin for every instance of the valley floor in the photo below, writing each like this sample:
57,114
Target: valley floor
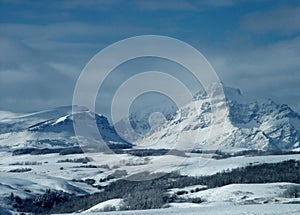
54,171
222,209
28,175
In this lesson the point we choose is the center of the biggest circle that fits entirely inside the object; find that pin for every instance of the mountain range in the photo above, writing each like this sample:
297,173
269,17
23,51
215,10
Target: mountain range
260,125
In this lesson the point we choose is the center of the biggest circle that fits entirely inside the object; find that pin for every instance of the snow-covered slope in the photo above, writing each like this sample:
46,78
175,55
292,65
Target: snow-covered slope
51,128
14,122
262,125
243,193
190,209
246,125
113,204
141,115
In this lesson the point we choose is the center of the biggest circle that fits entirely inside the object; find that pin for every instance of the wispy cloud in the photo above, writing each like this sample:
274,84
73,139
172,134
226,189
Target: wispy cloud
268,71
167,5
27,78
182,5
252,45
95,4
283,20
43,62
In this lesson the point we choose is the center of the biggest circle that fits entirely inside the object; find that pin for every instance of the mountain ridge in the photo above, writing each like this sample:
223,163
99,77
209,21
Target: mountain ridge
249,124
36,130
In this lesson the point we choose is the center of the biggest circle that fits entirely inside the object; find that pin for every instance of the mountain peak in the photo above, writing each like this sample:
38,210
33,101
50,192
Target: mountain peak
250,124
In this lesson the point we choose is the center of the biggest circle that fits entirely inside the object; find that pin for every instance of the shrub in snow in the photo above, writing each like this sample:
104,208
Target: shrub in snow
292,191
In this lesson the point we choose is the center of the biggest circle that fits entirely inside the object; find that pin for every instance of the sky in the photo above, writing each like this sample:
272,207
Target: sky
252,45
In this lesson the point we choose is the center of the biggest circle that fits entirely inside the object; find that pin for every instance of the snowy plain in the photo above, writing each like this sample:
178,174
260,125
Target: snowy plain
48,171
225,209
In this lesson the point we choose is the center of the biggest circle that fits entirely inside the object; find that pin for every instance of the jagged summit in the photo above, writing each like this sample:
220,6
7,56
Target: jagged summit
248,124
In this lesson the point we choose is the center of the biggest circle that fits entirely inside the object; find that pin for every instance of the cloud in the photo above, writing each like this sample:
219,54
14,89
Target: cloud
282,20
67,4
73,43
44,54
71,31
182,5
27,81
229,3
156,5
39,64
267,71
92,4
221,3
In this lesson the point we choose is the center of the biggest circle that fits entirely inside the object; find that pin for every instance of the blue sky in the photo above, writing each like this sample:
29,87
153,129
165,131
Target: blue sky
253,45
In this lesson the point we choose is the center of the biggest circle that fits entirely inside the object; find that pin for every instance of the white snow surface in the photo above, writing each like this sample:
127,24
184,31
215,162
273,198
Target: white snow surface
243,194
223,209
241,124
245,125
52,128
47,171
230,199
116,203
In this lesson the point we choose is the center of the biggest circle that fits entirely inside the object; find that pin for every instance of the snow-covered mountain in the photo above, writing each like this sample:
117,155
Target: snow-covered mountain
51,128
142,118
245,125
262,125
15,122
145,115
